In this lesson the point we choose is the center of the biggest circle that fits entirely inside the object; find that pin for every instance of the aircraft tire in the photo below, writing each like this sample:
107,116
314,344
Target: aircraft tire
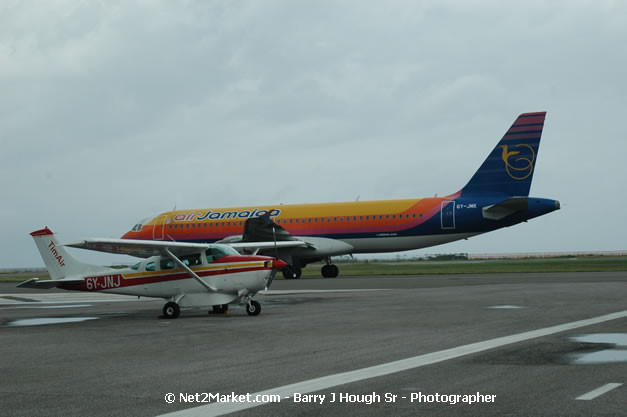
298,272
330,271
253,308
325,271
171,310
292,272
335,271
219,309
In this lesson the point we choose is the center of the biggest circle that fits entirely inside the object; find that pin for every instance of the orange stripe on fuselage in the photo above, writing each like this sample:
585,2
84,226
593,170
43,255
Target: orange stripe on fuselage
298,219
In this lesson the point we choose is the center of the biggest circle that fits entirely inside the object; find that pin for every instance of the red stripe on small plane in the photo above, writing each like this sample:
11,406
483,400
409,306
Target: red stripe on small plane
113,281
42,232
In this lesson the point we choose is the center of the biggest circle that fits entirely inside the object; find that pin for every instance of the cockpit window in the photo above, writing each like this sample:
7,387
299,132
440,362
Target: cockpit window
137,227
136,266
151,266
220,251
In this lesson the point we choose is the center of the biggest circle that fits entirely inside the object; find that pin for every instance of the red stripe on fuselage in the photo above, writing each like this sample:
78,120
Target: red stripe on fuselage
114,281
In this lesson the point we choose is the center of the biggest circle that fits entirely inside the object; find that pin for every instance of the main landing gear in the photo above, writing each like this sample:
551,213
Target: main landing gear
292,272
171,310
330,271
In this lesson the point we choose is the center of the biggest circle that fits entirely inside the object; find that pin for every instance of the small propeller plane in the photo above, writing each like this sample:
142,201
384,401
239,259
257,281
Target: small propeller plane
186,274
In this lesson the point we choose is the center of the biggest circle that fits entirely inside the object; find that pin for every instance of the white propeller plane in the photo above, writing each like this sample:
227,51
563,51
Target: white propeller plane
186,274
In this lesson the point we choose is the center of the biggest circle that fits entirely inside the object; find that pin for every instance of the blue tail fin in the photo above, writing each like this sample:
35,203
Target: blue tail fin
509,167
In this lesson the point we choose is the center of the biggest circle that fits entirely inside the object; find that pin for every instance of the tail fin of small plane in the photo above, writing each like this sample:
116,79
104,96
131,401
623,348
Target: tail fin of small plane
509,167
59,262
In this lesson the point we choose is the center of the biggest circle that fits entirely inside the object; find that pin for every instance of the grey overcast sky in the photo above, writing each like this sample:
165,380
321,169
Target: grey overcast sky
112,111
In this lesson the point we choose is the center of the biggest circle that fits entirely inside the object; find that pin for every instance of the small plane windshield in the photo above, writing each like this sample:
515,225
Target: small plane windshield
216,252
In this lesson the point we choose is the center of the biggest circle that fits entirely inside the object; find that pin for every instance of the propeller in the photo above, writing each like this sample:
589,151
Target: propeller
277,263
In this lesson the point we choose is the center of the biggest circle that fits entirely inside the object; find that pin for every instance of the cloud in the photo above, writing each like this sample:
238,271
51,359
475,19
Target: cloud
114,111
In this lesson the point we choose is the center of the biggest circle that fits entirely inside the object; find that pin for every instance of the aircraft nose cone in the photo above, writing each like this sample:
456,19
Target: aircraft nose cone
557,205
279,264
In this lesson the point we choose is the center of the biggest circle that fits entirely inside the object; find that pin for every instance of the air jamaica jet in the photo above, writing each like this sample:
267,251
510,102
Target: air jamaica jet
496,196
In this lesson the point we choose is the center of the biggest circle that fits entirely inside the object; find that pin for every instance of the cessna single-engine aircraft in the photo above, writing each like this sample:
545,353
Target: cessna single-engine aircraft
185,274
496,196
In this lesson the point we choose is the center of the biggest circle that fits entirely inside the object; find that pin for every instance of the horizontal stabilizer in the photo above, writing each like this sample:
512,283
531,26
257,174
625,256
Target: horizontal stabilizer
506,208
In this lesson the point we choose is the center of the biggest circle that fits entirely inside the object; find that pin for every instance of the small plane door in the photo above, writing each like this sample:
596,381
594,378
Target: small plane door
158,230
447,214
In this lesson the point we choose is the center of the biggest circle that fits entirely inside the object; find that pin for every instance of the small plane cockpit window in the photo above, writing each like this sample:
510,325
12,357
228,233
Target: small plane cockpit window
151,266
219,251
191,260
137,227
136,266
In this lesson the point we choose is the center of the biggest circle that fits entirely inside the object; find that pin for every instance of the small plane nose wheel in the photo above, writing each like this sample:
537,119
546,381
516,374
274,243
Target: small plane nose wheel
171,310
253,308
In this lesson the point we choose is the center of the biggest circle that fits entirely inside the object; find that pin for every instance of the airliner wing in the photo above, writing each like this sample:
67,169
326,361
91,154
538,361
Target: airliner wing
139,248
268,245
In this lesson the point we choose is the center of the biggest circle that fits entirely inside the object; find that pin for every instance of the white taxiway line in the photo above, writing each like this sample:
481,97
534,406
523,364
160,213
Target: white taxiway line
318,384
599,391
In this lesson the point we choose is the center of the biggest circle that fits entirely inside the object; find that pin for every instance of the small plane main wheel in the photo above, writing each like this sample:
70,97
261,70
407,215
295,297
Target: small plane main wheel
253,308
171,310
220,308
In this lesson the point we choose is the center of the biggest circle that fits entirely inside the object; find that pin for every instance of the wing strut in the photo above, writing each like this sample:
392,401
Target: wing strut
189,271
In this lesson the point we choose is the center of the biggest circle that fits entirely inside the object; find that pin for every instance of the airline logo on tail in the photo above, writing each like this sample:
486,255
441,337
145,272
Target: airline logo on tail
53,250
521,167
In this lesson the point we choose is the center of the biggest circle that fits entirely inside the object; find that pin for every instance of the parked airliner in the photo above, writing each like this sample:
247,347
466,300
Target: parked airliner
496,196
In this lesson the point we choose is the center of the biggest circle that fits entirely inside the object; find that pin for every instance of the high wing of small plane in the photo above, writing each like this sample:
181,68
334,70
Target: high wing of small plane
495,197
186,274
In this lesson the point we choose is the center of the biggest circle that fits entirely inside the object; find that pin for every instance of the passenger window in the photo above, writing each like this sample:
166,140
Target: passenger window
151,266
166,264
136,266
191,260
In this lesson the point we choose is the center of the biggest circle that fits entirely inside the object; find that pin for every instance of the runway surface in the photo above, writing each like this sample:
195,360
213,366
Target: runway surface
531,344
